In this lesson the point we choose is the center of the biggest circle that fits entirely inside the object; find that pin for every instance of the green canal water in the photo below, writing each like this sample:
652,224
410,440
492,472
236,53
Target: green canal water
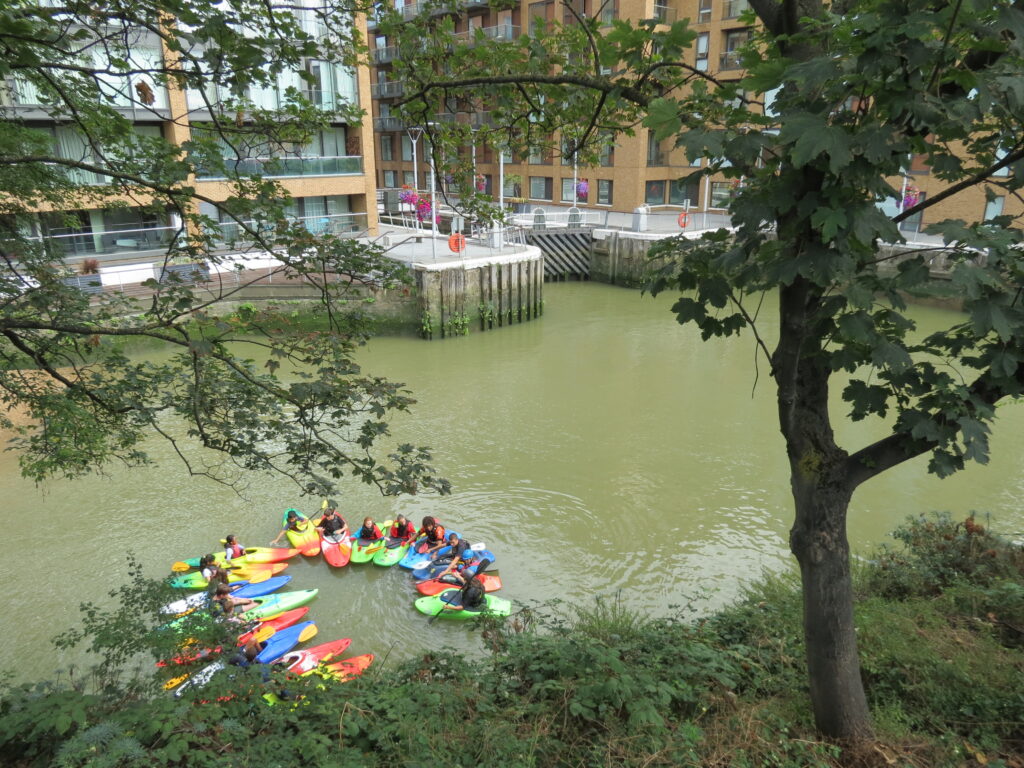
601,450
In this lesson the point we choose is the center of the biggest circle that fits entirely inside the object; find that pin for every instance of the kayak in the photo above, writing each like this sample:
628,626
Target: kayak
432,605
417,558
277,645
434,568
363,550
200,678
195,579
271,605
336,553
343,670
252,555
491,583
306,660
307,538
393,551
282,620
245,590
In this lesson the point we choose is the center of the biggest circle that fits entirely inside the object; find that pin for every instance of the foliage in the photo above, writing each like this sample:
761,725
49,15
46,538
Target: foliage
254,391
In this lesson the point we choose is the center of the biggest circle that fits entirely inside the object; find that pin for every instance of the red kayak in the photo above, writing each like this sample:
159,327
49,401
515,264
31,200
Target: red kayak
334,553
282,620
307,659
436,586
343,670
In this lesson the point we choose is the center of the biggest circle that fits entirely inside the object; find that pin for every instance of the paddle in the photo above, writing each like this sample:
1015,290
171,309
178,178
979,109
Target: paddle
479,572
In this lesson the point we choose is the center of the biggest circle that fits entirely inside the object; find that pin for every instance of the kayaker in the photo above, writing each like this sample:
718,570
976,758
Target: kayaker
212,572
232,548
472,597
403,529
333,526
432,533
456,570
458,546
232,606
292,523
369,531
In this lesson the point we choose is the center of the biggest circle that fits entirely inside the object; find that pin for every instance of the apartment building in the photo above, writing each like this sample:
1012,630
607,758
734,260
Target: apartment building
330,179
634,170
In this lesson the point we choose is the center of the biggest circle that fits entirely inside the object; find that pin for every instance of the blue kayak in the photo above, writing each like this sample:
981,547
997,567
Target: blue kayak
433,569
414,558
283,641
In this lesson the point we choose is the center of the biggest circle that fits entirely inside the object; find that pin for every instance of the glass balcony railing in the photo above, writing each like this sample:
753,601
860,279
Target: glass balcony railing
663,14
730,60
337,224
115,242
386,54
276,167
388,124
500,32
387,90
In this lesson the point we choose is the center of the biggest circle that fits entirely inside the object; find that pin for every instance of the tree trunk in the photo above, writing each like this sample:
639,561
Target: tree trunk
822,488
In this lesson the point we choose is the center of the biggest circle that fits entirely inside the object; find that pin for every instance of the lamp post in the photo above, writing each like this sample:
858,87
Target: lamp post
414,137
433,196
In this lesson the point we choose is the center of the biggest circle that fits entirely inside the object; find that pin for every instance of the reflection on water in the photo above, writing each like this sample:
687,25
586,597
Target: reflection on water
603,448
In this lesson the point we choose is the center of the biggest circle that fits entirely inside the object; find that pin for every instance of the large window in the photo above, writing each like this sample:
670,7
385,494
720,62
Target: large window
654,154
390,179
994,207
540,187
408,178
406,149
604,192
704,12
654,193
608,12
387,148
681,193
721,194
703,41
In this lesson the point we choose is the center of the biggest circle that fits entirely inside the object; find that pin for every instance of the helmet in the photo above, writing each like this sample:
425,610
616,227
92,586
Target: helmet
468,554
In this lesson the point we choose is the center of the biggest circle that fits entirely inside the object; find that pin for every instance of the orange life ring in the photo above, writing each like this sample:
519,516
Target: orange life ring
684,219
457,242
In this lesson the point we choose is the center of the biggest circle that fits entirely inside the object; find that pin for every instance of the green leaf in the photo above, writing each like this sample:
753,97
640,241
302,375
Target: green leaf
663,118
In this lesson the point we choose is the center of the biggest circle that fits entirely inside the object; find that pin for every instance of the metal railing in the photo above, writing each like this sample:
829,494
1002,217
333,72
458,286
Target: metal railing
545,218
388,124
386,54
275,167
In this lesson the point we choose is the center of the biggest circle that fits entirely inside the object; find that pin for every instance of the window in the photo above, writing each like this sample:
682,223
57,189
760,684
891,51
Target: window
703,39
607,158
654,154
568,195
566,151
721,194
732,41
390,179
408,179
577,194
704,12
537,156
406,149
1005,171
608,12
654,194
512,187
387,148
538,17
913,223
540,187
993,208
604,191
733,8
681,193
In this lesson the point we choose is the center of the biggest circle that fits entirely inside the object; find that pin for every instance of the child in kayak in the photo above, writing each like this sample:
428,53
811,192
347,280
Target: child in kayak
369,531
232,606
458,546
432,534
292,523
460,569
232,548
211,572
403,529
333,526
470,598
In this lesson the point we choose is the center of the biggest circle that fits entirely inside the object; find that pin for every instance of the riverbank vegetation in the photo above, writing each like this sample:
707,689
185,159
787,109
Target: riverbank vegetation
940,620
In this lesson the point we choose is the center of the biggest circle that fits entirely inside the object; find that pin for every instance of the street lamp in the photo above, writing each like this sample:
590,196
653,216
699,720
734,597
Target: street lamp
414,137
433,196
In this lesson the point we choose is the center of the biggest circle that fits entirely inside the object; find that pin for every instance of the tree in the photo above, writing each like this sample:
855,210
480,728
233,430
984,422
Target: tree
92,76
859,88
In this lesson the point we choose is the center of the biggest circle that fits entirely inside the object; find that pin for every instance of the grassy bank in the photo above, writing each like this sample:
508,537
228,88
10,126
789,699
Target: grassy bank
940,618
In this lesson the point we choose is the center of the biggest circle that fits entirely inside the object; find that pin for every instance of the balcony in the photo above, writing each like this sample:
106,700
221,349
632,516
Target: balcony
388,124
385,55
663,14
730,60
114,242
500,33
280,167
733,9
387,90
232,234
472,119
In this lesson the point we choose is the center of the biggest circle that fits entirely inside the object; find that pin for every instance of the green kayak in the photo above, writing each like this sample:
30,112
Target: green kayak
279,602
391,555
434,604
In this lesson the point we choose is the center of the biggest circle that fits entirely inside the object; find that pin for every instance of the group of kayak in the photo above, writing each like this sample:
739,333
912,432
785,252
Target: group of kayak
241,584
449,570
